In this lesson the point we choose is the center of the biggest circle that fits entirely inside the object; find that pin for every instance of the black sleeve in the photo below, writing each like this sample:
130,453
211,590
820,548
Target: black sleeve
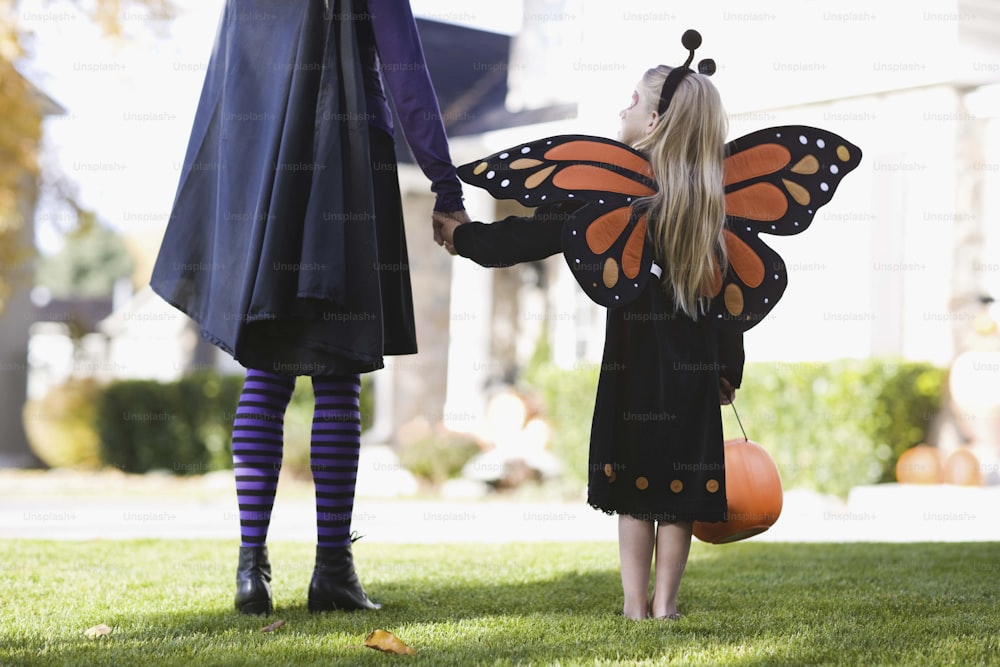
731,356
514,239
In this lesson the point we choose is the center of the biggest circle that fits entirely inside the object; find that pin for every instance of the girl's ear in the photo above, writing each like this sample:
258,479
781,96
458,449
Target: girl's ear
651,123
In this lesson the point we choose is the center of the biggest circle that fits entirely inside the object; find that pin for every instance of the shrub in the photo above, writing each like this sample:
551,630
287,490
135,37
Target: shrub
209,404
60,425
182,426
910,400
567,397
438,455
185,426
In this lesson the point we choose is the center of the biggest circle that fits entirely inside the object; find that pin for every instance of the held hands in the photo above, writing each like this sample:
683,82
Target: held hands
444,227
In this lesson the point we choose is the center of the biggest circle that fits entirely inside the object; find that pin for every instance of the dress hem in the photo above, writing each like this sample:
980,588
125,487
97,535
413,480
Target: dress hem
664,517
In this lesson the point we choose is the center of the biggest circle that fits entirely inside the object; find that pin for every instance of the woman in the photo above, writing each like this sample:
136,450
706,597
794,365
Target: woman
286,243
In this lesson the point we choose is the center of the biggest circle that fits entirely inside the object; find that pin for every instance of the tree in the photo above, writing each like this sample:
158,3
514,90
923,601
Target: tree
21,112
20,132
93,258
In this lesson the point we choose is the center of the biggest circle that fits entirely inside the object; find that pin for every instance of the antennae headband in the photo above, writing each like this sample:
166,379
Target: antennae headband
691,40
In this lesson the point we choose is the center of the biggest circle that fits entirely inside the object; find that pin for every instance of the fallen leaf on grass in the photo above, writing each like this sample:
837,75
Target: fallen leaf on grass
274,626
98,631
383,640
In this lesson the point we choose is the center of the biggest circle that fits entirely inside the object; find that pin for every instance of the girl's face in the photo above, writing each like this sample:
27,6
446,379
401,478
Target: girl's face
637,118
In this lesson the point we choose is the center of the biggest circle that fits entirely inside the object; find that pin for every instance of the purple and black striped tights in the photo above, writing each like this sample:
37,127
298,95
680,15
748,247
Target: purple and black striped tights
258,431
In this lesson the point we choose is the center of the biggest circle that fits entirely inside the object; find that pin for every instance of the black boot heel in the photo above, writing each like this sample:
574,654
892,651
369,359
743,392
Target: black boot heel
335,584
253,577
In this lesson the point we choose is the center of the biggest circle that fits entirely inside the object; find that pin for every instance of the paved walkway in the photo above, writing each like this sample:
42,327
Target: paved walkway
59,505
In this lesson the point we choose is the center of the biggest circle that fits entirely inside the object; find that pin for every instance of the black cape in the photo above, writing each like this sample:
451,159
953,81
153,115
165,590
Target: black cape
285,243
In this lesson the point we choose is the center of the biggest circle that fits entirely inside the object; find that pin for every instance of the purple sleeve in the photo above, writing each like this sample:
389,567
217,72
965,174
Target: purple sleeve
409,83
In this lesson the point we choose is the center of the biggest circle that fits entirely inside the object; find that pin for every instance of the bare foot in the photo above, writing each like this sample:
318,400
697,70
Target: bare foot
668,617
667,613
635,614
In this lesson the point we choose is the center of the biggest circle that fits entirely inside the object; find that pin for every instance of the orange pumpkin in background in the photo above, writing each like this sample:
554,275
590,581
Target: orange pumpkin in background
962,468
919,465
753,495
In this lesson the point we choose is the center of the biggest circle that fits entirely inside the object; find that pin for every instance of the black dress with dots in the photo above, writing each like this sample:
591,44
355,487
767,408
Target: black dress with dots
656,444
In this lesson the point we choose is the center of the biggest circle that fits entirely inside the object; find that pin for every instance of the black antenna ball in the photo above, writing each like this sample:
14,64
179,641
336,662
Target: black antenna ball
691,39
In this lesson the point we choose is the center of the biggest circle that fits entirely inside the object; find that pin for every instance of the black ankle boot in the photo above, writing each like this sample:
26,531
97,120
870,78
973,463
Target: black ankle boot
334,584
253,577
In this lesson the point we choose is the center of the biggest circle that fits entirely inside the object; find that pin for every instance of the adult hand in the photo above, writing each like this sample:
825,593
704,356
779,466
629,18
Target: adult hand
439,218
444,227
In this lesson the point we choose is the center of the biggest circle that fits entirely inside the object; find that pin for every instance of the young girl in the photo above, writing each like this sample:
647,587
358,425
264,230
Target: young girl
656,449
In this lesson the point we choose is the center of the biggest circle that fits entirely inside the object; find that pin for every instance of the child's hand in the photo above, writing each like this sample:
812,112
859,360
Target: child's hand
726,392
444,227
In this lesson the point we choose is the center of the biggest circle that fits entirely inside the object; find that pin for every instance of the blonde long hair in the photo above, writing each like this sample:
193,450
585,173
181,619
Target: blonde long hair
686,149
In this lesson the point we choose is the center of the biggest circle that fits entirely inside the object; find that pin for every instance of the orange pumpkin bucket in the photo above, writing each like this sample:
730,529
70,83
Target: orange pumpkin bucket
753,494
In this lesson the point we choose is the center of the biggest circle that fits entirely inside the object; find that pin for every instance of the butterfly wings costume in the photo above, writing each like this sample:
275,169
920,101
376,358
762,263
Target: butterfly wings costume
656,448
775,180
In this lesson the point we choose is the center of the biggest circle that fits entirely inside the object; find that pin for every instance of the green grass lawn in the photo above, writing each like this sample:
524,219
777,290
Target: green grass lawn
169,603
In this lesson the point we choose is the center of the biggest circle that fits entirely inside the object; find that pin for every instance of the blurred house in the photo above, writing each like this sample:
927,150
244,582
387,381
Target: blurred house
64,342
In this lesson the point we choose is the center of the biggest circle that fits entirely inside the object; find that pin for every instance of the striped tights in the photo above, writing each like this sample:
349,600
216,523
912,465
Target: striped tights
258,441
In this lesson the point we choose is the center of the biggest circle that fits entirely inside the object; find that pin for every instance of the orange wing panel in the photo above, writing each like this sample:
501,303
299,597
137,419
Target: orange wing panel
588,177
760,201
632,255
603,231
744,260
753,162
595,151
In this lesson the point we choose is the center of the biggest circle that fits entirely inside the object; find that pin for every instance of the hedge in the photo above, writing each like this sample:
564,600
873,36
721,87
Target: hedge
60,426
183,427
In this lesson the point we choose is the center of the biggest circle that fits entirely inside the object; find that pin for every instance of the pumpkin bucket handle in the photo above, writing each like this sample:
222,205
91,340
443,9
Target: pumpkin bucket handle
733,403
